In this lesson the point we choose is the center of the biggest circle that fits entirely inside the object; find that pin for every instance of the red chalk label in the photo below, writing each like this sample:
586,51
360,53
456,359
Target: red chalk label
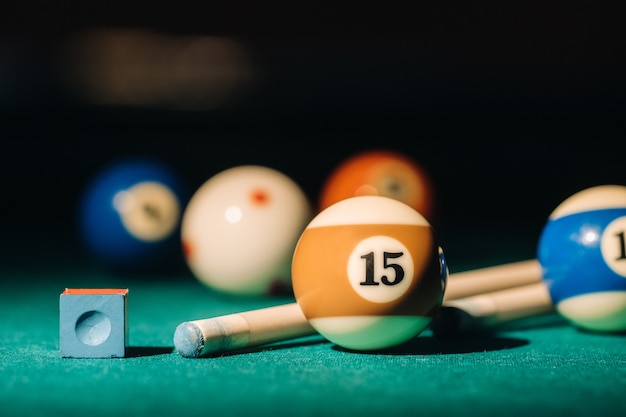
98,291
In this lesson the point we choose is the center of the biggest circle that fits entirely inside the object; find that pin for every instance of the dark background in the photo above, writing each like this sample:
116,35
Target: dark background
510,107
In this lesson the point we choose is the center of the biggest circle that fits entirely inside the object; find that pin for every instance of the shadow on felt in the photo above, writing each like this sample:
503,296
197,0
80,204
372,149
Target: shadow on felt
142,351
427,345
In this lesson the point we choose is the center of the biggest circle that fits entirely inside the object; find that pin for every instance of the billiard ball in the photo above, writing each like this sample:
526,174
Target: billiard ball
129,215
582,251
368,273
240,228
380,172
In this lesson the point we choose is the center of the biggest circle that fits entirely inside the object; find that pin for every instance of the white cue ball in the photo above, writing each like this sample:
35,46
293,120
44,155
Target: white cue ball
240,229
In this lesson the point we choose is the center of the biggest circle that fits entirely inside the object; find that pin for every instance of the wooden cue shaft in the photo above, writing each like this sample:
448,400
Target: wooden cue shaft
266,325
239,330
484,311
493,278
509,304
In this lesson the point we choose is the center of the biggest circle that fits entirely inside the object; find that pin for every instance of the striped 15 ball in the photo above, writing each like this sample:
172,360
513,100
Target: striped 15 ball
582,250
368,273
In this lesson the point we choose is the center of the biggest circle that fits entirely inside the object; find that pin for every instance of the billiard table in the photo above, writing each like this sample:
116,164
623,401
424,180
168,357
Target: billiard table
493,198
539,365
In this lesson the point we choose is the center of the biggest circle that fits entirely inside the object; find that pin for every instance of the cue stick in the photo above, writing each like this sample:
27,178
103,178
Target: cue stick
481,312
493,278
271,324
246,329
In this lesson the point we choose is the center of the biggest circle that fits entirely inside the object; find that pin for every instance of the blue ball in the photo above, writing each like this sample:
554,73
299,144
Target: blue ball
582,251
129,215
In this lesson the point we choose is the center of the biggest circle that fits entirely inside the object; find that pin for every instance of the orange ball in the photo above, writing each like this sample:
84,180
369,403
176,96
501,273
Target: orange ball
383,173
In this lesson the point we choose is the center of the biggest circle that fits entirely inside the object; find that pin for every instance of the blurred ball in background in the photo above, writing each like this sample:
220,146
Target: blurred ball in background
129,215
384,173
240,229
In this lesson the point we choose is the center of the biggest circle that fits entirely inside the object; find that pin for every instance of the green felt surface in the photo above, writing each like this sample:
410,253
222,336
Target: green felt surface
542,366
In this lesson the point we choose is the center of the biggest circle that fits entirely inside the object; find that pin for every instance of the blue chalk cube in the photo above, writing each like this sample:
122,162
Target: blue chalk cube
93,323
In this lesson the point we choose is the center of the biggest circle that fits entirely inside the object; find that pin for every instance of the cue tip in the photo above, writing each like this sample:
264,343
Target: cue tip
189,340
